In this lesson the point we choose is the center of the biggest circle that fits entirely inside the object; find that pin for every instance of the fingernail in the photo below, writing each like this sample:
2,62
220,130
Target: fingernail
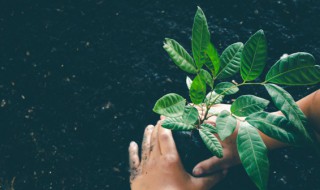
197,171
132,143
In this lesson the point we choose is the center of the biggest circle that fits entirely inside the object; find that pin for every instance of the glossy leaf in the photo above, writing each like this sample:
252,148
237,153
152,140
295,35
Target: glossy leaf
226,88
284,102
254,56
209,127
188,82
214,60
248,104
205,75
176,123
200,38
253,155
197,90
180,56
190,115
226,124
170,105
211,142
274,126
213,97
296,69
230,61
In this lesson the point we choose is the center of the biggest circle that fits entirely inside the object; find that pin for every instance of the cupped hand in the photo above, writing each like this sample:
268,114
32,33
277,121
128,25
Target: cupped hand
160,166
230,153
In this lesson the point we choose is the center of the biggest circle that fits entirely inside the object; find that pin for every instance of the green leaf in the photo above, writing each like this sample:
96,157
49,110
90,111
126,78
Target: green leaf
284,102
296,69
253,155
230,60
226,88
190,115
226,124
197,90
275,126
180,56
248,104
188,82
205,75
209,127
176,123
254,56
170,105
200,38
214,61
211,142
213,97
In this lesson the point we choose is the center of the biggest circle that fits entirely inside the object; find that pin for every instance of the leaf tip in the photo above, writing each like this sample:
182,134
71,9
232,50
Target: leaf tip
261,32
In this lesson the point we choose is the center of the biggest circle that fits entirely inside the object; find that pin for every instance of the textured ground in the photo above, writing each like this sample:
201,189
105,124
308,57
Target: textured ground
78,80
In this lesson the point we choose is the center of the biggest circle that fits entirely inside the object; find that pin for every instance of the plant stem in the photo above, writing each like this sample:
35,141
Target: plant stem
214,101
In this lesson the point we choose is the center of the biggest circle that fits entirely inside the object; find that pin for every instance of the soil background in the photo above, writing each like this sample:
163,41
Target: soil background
79,78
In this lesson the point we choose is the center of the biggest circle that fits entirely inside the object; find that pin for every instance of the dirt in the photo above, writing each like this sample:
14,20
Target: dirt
78,80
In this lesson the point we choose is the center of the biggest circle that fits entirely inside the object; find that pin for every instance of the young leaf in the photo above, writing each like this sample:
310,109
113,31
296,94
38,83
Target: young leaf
214,62
213,96
188,82
190,115
248,104
205,75
226,88
225,124
180,56
253,155
170,105
200,38
176,123
230,61
254,56
211,142
209,127
284,102
296,69
197,90
275,126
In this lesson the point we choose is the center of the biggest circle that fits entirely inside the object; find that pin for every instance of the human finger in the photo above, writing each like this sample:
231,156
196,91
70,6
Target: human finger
146,143
134,161
166,142
208,166
154,147
162,117
209,181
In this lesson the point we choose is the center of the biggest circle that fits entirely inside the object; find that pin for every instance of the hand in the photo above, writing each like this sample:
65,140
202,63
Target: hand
230,153
160,167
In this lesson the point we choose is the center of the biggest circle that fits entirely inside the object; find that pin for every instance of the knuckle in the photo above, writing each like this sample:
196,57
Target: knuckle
170,159
164,137
145,146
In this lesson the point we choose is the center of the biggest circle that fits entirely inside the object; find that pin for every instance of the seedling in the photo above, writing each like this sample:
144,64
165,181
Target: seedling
207,67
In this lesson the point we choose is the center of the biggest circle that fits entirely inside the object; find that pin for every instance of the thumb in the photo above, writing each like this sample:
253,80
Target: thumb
209,181
208,166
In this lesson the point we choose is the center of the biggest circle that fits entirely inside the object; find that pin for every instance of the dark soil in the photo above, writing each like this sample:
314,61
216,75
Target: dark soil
78,80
